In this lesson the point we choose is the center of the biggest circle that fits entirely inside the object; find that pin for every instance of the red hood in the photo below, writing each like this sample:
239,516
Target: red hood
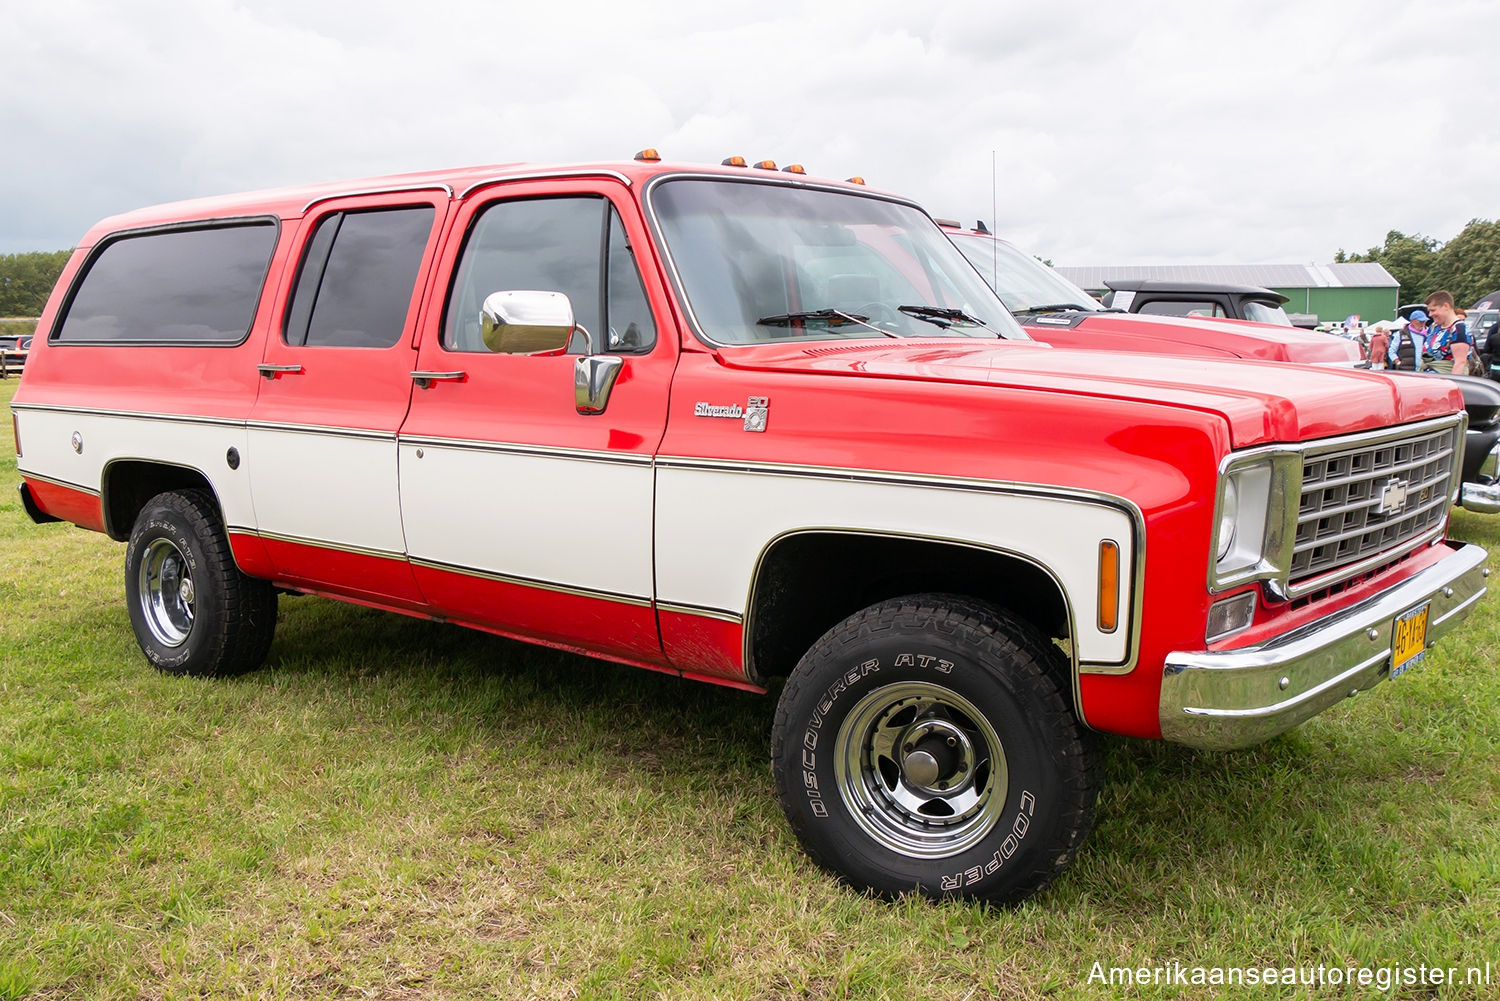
1260,402
1192,336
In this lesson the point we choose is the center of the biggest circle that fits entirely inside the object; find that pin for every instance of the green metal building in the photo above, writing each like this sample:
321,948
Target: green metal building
1315,292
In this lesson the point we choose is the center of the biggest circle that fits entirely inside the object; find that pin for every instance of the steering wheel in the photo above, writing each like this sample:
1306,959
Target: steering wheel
879,313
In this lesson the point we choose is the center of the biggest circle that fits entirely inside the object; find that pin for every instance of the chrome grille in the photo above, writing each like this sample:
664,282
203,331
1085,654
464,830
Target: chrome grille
1368,499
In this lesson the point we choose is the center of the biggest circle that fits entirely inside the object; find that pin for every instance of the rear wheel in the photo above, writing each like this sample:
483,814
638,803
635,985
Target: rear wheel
923,745
192,609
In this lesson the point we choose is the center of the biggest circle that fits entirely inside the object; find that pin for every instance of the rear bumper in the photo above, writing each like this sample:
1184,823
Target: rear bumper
1236,698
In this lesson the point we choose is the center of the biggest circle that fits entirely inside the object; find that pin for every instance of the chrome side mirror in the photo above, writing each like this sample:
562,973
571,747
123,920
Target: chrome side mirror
526,322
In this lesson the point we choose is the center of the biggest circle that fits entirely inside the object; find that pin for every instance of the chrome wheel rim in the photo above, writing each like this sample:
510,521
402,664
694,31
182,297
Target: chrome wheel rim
921,770
167,594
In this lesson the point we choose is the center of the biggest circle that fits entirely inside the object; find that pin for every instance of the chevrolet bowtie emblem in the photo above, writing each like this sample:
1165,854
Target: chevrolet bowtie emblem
1393,496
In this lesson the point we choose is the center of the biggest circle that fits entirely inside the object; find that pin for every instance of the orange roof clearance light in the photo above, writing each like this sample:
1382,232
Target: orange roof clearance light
856,179
793,168
649,155
734,161
766,165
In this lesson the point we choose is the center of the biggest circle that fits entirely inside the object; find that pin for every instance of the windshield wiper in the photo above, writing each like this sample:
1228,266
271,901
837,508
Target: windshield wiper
835,318
946,316
1055,307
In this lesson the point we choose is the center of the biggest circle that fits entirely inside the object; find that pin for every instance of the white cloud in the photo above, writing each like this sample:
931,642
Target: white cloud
1120,133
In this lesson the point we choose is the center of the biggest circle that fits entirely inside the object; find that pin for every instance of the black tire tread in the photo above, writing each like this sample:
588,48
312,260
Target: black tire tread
1036,664
244,632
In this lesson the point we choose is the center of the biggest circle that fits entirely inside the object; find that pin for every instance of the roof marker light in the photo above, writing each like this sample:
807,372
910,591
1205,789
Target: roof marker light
765,165
734,161
649,154
856,179
793,168
950,223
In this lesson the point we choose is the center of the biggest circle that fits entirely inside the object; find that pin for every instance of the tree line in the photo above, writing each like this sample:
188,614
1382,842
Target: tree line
27,279
1467,265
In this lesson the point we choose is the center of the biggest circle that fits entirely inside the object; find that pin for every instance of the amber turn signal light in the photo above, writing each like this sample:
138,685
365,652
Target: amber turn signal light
1109,586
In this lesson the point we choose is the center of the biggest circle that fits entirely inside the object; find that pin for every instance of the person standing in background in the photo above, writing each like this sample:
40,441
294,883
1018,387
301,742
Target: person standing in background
1448,341
1380,344
1407,346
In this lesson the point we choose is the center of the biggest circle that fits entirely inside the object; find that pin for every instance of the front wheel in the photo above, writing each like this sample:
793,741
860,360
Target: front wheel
923,745
192,609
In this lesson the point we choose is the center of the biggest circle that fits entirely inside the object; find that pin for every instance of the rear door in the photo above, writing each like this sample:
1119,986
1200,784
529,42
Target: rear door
522,514
337,384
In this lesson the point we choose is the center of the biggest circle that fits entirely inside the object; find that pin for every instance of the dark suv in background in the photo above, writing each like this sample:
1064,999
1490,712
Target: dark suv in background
1211,299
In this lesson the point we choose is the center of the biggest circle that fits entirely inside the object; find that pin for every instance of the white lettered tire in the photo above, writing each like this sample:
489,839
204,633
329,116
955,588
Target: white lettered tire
922,745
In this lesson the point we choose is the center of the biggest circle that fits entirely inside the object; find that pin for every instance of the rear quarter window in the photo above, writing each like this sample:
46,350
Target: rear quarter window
176,286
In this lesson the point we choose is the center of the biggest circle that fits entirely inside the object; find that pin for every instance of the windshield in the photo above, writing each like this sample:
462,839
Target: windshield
1264,312
772,262
1022,281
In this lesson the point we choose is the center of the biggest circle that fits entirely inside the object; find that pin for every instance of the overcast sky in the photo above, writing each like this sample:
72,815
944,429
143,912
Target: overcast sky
1212,131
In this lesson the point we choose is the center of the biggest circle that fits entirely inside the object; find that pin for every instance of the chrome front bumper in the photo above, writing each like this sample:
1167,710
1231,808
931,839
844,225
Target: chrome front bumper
1236,698
1481,498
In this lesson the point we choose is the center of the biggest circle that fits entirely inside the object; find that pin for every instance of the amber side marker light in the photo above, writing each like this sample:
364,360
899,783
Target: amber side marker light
1109,586
734,161
649,155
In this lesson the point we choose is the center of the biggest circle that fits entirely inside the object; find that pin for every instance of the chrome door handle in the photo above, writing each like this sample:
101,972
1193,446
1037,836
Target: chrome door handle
424,380
272,371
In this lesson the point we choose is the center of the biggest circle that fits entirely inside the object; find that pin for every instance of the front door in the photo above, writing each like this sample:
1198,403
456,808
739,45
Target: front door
522,514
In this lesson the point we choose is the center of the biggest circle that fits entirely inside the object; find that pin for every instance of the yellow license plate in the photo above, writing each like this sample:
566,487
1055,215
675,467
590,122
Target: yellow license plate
1409,640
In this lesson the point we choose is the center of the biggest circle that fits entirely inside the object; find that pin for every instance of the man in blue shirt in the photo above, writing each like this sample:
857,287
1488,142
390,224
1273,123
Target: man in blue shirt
1406,347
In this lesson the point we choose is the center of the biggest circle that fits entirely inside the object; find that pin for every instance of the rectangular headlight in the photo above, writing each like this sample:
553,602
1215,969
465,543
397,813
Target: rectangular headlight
1255,517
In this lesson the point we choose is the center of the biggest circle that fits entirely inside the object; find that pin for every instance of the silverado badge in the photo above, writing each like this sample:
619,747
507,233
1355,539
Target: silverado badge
754,412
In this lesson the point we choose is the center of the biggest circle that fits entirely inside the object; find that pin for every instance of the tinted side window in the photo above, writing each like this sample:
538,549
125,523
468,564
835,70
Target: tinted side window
1165,307
544,244
576,246
185,286
354,287
631,327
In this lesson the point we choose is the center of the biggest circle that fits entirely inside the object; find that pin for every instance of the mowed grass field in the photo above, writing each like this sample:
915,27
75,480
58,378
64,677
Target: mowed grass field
398,809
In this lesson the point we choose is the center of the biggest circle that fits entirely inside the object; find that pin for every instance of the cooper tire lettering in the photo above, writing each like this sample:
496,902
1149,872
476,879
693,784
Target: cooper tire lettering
936,752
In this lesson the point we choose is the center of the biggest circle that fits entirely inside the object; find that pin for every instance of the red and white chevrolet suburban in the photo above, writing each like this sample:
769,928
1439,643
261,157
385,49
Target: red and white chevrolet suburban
741,425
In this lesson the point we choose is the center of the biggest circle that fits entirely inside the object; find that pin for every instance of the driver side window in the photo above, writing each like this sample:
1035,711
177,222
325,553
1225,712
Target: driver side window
573,245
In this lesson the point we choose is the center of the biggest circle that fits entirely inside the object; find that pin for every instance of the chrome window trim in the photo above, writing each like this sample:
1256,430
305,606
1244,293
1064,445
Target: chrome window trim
544,175
366,192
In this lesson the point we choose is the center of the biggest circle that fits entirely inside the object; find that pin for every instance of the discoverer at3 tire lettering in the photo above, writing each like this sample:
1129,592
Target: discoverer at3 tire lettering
923,745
